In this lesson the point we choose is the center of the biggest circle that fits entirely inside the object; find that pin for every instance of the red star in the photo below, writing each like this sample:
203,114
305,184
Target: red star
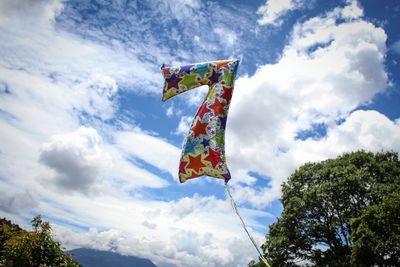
202,111
227,93
199,128
217,107
165,72
182,168
195,163
214,157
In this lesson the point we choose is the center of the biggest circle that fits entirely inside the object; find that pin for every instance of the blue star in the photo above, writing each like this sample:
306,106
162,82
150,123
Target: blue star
202,69
205,142
186,69
223,122
190,146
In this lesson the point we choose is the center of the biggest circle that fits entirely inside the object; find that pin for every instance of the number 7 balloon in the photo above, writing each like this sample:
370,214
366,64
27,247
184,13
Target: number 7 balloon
204,149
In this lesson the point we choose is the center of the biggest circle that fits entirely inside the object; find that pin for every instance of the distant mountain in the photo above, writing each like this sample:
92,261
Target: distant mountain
96,258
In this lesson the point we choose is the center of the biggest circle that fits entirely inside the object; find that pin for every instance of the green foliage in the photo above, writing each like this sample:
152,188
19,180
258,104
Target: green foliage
339,212
31,248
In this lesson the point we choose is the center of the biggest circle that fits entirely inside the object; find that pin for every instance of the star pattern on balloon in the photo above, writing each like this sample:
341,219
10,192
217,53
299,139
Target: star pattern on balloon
191,146
195,163
202,69
173,81
205,142
217,107
227,94
224,64
219,138
214,157
199,128
202,111
222,121
189,80
204,149
186,69
214,78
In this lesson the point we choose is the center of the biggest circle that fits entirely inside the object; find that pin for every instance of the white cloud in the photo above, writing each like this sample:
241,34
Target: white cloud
31,42
173,111
16,201
170,111
352,10
35,12
99,90
184,9
151,149
192,230
77,158
226,36
184,125
327,70
273,10
368,130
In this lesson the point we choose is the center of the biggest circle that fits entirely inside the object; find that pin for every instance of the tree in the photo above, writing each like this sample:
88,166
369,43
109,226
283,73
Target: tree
31,248
339,212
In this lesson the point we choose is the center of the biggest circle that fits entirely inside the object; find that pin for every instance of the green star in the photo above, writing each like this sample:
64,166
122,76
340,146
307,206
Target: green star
219,138
189,81
228,78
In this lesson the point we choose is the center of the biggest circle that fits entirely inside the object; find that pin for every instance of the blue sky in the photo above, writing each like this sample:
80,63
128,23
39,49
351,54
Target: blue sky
88,143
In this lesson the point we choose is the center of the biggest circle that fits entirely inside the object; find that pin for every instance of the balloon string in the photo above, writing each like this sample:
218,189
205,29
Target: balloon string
234,206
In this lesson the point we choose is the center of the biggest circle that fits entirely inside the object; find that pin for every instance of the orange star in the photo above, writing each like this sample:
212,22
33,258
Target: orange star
218,107
199,128
223,64
195,163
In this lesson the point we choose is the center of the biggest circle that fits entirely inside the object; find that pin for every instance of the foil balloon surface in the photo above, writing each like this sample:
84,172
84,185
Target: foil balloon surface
204,149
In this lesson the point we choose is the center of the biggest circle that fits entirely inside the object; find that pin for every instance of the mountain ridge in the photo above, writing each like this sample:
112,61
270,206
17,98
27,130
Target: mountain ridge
98,258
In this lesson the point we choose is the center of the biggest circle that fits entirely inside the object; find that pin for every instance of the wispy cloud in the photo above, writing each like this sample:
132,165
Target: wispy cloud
273,11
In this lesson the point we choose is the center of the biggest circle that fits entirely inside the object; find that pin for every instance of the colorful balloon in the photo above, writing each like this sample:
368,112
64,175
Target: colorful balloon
204,149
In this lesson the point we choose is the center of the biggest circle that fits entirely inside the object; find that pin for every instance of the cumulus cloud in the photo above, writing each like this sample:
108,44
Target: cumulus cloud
368,130
76,157
329,68
273,11
200,231
352,10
